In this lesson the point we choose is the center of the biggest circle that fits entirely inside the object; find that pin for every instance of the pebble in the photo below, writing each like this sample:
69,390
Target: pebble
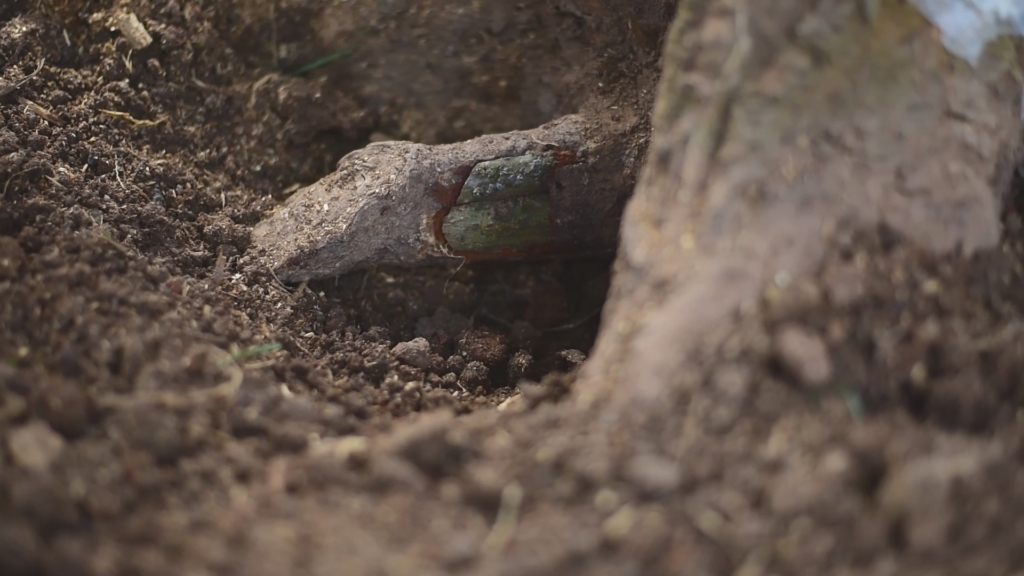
415,352
803,354
34,446
572,358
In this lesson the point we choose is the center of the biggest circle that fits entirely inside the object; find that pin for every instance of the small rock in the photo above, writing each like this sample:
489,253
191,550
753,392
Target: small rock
475,374
128,24
354,448
449,381
415,352
652,474
572,358
804,354
616,527
34,446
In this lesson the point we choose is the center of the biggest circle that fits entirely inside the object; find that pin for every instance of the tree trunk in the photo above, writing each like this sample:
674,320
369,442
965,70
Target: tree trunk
780,128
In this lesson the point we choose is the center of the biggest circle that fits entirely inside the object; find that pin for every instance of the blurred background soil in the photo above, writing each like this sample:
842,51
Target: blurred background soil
168,407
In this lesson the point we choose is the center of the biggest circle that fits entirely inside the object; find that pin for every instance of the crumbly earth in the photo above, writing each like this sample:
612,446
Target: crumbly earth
168,407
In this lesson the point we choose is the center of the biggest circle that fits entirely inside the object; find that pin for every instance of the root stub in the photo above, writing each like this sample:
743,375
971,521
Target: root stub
518,198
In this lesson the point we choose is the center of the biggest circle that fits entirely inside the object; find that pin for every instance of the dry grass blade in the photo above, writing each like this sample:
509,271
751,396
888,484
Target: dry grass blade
132,119
41,112
7,88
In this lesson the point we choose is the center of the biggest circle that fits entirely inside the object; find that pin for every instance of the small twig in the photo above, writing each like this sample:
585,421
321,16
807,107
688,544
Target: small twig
8,183
487,314
298,291
206,86
256,86
117,174
127,59
303,348
461,264
362,285
280,285
117,245
40,111
133,120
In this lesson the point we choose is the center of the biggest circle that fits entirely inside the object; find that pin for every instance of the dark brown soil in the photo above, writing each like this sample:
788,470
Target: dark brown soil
168,407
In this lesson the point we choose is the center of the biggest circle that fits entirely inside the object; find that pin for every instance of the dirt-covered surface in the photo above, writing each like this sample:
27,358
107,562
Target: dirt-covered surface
168,407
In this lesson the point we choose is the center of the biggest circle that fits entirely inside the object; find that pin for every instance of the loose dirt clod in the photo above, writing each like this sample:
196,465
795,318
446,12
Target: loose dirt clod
415,352
34,446
134,31
804,354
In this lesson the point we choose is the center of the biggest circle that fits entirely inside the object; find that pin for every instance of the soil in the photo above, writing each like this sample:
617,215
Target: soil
168,407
